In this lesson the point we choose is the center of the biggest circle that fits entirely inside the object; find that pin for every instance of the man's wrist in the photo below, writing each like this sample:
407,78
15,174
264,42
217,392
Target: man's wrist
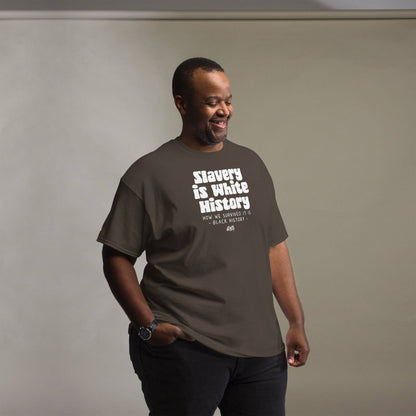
145,332
297,324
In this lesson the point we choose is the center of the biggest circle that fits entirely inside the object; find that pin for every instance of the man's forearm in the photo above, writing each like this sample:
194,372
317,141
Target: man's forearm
284,288
123,282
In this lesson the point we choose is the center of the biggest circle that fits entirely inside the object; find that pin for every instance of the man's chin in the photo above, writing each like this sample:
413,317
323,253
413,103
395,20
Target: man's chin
212,140
218,138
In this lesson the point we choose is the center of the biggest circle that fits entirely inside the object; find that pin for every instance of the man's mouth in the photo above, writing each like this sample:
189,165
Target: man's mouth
221,124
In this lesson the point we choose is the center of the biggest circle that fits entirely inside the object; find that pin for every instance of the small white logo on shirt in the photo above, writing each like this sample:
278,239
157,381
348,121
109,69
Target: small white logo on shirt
230,228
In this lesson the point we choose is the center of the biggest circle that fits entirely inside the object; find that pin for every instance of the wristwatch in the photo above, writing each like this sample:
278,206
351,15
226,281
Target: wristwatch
145,332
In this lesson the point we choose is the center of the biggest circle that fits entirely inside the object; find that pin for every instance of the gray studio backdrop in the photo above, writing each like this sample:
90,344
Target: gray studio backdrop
330,107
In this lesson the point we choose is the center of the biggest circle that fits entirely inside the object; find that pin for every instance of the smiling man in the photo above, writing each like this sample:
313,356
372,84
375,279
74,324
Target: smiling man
203,329
205,106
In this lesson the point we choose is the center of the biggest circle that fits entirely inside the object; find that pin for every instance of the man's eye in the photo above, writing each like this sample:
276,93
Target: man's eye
212,104
228,103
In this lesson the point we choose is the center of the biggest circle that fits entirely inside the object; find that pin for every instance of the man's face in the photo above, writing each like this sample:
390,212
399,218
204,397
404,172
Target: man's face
208,108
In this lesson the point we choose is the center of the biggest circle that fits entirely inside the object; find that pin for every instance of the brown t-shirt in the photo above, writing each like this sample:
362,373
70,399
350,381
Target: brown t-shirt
206,221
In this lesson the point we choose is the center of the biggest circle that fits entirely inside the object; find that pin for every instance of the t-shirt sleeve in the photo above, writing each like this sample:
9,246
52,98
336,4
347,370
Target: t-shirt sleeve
276,230
126,227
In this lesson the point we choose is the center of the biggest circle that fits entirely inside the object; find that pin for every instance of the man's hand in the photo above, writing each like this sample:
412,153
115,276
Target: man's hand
165,334
297,346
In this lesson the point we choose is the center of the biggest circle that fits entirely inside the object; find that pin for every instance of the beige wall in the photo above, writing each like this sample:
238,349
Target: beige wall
329,105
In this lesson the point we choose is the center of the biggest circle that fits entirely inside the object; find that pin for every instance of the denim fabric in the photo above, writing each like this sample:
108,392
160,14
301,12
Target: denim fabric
189,379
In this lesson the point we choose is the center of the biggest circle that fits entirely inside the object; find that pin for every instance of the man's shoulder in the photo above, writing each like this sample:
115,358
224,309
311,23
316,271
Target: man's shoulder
244,151
150,162
236,146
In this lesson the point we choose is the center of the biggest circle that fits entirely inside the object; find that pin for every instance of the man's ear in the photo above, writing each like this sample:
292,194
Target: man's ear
180,104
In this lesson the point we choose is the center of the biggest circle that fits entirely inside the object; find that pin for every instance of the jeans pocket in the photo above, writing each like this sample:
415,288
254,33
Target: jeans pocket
161,346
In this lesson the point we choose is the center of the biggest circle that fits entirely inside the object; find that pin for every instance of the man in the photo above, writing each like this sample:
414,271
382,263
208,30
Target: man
203,332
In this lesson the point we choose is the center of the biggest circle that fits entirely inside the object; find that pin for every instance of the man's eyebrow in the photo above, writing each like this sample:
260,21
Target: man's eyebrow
216,97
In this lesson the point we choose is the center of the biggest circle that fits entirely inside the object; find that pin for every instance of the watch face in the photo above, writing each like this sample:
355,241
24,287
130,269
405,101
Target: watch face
145,334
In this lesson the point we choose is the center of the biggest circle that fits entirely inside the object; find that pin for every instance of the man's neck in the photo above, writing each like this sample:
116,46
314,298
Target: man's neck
193,144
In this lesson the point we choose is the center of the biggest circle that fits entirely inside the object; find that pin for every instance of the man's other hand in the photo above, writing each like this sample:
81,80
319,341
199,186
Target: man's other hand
297,346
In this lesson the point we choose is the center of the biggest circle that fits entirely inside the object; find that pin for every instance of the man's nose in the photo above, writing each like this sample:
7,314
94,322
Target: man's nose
224,110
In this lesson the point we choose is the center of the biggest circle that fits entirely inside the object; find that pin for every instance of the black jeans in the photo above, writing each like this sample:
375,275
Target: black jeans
188,379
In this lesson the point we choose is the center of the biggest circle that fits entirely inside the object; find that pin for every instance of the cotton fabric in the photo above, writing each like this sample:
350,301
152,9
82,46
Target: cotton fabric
206,221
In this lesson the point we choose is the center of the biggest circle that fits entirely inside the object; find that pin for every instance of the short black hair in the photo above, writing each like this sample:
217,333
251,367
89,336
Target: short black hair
181,84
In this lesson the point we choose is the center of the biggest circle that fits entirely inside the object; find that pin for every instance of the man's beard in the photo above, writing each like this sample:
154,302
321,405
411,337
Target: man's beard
207,137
